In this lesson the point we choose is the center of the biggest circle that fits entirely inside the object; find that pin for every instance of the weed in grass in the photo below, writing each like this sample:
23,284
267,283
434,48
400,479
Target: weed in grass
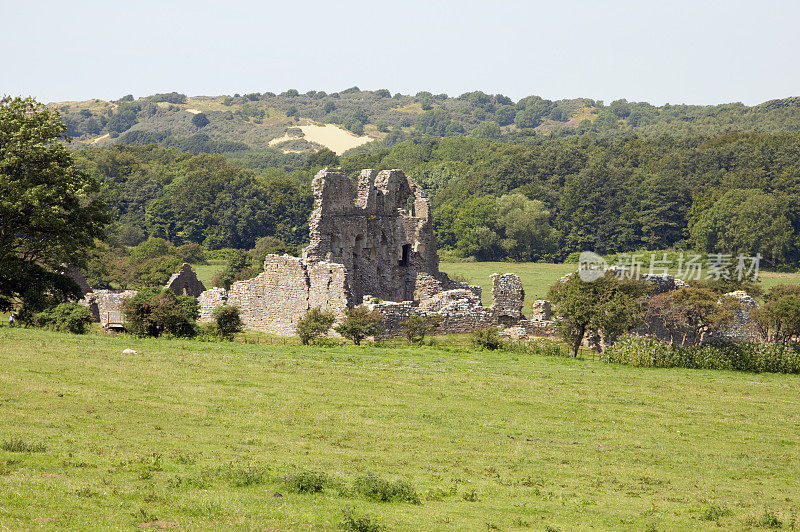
519,522
767,519
86,492
714,512
355,523
439,494
186,459
21,446
381,490
307,482
250,476
179,481
7,466
144,516
471,496
77,464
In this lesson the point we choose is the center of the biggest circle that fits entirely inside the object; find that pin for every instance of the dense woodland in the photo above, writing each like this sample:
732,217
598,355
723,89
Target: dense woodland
540,199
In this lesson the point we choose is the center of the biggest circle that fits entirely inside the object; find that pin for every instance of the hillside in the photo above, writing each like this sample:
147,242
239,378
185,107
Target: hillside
291,122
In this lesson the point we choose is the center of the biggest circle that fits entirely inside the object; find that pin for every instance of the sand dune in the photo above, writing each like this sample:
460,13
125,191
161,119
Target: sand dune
333,137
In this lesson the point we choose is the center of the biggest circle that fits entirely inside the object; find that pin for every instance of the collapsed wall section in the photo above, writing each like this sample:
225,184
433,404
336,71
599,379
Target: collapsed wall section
277,298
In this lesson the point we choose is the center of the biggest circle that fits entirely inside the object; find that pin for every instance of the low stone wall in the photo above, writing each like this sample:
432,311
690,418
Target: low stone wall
394,313
442,299
743,328
209,300
463,316
106,306
531,329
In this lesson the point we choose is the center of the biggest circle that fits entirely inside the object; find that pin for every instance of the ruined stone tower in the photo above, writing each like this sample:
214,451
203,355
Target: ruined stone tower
380,230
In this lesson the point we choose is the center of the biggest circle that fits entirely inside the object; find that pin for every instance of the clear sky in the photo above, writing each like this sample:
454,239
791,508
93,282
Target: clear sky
697,51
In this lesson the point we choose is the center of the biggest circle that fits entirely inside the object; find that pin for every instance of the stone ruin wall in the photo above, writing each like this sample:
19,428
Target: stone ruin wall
184,282
507,297
106,305
379,229
277,298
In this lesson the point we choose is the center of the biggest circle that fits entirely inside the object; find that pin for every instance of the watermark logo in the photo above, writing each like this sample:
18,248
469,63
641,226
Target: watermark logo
591,266
686,266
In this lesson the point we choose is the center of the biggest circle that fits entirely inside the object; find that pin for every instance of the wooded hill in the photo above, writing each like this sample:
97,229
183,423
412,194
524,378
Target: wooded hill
230,124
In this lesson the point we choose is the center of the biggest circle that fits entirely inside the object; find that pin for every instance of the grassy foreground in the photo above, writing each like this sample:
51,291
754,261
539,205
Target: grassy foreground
204,435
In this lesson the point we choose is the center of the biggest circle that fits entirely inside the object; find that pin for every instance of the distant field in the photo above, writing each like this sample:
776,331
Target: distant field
205,435
536,277
206,272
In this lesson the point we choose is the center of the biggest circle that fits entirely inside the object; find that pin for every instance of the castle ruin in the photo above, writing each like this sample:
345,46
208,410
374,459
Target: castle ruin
370,242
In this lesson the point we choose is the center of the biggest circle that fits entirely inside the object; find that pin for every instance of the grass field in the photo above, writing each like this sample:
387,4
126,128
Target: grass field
205,435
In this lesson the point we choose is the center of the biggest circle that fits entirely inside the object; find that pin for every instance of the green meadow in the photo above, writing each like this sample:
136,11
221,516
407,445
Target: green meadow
253,436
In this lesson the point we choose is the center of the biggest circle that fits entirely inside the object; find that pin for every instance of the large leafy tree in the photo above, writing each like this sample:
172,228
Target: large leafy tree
49,215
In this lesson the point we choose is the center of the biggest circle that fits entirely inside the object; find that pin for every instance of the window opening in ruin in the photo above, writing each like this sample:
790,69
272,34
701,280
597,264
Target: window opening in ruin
406,253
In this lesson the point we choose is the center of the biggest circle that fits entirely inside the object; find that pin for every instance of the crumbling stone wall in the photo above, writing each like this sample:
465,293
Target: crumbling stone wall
380,230
209,300
277,298
541,310
394,313
184,282
507,297
106,305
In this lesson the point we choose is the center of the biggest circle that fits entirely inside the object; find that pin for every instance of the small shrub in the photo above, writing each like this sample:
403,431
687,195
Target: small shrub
314,324
7,466
360,323
227,320
381,490
308,482
153,312
767,519
20,446
417,327
66,317
487,339
355,523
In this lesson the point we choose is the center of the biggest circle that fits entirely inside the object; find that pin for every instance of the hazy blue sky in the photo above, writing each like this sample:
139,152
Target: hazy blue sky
660,51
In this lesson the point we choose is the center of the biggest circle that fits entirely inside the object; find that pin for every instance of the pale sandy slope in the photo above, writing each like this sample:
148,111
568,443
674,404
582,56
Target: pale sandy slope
333,137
